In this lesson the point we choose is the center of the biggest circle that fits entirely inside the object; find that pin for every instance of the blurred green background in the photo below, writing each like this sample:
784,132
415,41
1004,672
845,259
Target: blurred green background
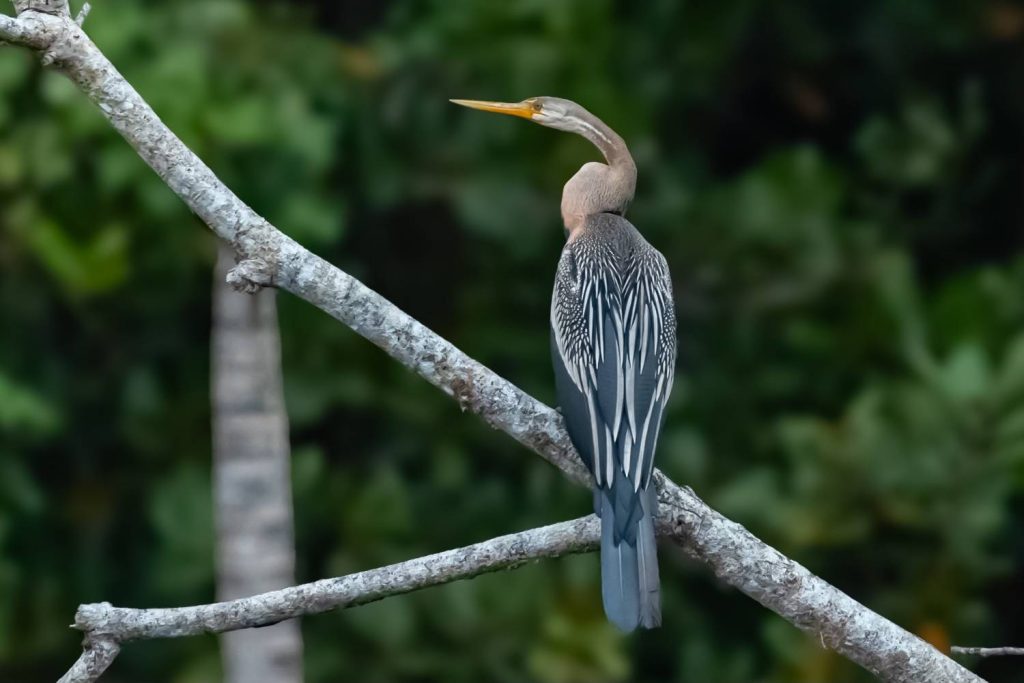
837,187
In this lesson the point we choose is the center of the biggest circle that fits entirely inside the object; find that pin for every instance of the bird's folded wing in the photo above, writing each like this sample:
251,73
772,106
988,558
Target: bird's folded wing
613,345
649,360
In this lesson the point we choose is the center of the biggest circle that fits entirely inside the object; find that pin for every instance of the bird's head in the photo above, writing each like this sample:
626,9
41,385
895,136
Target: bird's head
553,112
596,187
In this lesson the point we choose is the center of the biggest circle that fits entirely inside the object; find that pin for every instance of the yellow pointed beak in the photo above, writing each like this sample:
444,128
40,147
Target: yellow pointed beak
523,109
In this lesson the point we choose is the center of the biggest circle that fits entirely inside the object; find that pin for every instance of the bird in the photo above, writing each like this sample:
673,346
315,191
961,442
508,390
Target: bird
613,348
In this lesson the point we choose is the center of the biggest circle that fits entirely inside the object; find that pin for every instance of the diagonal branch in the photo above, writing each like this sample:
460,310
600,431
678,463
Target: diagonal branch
735,555
98,653
109,626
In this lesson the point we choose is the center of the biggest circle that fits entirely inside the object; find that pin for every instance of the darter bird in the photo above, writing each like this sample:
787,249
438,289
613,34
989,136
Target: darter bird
613,345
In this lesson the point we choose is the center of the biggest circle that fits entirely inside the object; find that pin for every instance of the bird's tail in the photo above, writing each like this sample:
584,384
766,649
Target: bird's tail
630,585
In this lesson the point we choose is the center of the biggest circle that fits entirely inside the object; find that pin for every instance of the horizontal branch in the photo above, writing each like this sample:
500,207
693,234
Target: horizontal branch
55,7
504,552
735,555
988,651
108,626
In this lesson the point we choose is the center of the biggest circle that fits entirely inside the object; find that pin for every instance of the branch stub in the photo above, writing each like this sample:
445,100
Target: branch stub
250,276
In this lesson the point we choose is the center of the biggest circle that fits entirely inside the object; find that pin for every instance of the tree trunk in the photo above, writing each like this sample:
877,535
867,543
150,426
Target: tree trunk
252,477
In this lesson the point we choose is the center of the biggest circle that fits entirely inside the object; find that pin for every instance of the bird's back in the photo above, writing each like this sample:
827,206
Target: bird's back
613,348
613,334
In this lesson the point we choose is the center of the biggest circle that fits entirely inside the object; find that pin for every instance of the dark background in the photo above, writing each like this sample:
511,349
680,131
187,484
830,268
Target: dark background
837,188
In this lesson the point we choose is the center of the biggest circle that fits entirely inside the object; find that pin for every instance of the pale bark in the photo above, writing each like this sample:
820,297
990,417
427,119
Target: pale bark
988,651
734,555
111,625
251,476
98,652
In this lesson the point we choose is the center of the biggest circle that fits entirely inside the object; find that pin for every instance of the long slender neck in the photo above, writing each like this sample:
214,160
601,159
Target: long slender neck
611,144
598,188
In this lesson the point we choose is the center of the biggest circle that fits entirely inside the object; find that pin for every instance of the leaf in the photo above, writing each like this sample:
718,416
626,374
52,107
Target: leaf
1009,380
23,410
241,121
966,376
83,269
893,278
181,514
18,488
312,220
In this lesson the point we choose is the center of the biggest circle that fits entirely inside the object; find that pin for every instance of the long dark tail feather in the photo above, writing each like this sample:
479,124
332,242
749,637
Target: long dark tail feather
620,584
630,585
647,557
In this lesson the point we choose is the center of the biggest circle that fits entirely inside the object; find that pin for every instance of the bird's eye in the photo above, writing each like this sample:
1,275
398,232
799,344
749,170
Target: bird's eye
536,106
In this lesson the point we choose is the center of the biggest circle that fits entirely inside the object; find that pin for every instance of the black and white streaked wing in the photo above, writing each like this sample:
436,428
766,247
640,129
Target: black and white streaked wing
614,345
649,359
586,345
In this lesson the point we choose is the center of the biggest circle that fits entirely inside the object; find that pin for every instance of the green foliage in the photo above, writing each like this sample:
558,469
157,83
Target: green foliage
22,411
835,185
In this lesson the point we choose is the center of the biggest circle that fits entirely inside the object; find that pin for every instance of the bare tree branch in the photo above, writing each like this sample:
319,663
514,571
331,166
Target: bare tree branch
988,651
504,552
19,31
97,654
113,625
54,7
83,14
736,556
